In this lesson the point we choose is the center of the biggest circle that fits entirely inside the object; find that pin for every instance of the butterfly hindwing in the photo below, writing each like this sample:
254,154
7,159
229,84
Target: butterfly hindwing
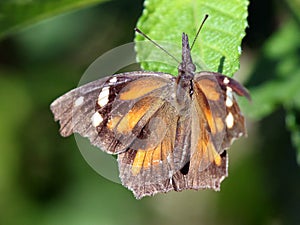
146,172
209,178
183,179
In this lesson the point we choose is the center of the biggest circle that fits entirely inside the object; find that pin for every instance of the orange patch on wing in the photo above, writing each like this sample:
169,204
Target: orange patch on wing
213,154
138,162
210,89
203,152
146,159
218,160
208,153
219,124
129,121
140,87
113,122
216,124
210,120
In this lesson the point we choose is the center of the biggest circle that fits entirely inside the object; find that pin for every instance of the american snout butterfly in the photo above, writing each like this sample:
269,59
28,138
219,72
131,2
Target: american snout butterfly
170,133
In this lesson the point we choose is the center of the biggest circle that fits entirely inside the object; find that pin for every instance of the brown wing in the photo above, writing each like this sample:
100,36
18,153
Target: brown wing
148,171
78,111
74,109
217,121
207,168
208,126
235,121
209,178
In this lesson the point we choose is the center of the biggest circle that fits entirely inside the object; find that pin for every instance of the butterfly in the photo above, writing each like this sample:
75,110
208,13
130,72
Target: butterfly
169,133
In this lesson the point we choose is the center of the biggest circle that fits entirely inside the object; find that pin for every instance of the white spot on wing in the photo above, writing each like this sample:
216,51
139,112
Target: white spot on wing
96,119
103,97
79,101
226,81
229,97
113,80
229,120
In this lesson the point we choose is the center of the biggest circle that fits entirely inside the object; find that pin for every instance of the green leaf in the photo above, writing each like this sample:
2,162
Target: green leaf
218,46
17,14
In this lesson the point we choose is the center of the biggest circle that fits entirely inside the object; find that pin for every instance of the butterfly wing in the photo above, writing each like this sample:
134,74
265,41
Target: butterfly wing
209,178
208,125
235,121
149,172
74,109
90,109
217,121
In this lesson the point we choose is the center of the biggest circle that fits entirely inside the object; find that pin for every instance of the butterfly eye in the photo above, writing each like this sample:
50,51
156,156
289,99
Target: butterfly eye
191,67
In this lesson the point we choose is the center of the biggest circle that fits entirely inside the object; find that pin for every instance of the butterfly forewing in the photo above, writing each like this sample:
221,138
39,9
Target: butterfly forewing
234,120
88,109
126,122
75,109
208,127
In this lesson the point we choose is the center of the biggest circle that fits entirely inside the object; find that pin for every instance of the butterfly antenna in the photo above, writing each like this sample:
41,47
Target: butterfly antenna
157,45
205,18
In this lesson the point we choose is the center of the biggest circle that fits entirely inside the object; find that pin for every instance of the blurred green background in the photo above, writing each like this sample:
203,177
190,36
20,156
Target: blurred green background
43,177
